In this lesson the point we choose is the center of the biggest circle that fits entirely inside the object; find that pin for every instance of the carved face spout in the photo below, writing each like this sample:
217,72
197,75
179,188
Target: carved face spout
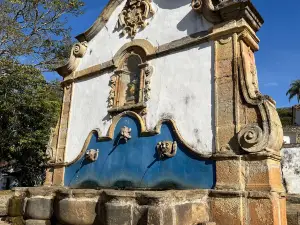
92,155
166,149
125,133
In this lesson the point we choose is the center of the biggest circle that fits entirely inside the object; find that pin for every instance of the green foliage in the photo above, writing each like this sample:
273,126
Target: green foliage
286,116
29,107
294,90
37,30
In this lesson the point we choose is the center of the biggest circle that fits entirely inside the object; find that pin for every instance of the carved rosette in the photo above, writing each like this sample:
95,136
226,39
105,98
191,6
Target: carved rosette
134,15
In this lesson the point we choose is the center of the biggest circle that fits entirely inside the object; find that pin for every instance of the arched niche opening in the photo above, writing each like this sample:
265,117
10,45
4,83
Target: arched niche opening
130,83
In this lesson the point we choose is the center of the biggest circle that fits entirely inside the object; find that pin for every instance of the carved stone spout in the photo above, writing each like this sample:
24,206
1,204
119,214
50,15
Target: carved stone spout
166,149
92,155
125,133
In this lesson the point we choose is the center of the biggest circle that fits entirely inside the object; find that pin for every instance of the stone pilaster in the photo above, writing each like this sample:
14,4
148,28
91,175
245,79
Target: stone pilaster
248,130
58,174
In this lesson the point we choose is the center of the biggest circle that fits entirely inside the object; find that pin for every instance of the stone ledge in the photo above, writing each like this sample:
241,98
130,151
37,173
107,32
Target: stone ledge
111,207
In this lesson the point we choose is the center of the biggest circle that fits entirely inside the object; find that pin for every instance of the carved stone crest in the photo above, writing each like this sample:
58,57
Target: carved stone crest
134,15
166,149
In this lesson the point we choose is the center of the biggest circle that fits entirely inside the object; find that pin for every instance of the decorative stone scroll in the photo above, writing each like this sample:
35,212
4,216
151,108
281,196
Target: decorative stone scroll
265,135
78,51
134,15
251,138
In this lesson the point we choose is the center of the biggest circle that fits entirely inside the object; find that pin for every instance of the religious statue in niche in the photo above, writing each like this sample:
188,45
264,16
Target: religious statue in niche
134,15
130,84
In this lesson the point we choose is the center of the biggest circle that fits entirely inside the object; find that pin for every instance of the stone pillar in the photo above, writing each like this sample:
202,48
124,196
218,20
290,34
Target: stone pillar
59,167
249,135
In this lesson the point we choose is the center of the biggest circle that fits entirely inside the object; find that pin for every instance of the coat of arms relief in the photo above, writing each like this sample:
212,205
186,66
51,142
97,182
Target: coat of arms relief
134,15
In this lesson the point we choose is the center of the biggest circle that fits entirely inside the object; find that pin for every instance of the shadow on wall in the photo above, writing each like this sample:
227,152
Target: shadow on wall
171,4
189,25
191,22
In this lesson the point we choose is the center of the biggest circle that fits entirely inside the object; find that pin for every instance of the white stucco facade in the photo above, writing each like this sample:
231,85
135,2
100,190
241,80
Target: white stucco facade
291,169
170,23
181,84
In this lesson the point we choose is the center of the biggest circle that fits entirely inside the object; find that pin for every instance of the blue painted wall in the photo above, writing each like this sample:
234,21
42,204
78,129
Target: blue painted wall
135,164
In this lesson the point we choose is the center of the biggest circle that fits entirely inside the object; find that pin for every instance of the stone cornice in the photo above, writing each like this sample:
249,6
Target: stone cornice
100,22
229,10
240,26
215,13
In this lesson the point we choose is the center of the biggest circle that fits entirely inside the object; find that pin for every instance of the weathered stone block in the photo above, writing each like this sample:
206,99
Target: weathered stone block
38,222
263,175
227,210
225,134
167,216
261,211
230,174
15,206
39,208
154,216
191,213
140,214
77,211
4,200
118,213
16,220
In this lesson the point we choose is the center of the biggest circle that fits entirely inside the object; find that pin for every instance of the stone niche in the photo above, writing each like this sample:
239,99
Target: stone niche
164,124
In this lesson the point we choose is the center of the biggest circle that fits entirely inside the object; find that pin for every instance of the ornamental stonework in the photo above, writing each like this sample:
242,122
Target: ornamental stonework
134,16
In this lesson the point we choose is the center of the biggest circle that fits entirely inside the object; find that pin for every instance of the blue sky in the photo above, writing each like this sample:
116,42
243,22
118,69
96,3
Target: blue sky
279,55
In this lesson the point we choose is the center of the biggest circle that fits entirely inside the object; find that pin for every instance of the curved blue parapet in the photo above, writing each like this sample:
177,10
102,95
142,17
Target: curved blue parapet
135,164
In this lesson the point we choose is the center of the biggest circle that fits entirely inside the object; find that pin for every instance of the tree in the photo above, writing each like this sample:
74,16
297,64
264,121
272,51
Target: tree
29,107
294,90
36,30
